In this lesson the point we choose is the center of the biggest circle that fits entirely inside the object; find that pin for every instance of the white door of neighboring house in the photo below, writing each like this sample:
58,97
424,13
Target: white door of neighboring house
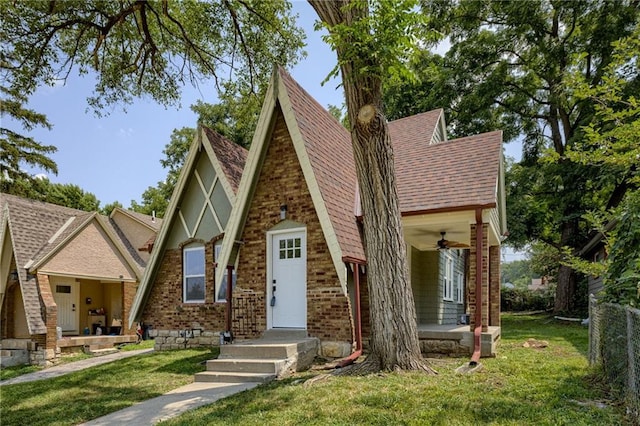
288,289
66,297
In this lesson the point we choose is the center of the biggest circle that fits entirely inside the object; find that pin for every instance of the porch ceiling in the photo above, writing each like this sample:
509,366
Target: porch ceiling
424,231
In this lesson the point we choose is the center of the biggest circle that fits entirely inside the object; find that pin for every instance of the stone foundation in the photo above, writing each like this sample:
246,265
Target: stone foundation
180,339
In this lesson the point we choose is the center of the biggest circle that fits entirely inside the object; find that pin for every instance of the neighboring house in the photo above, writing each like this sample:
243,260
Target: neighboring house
66,271
293,244
596,251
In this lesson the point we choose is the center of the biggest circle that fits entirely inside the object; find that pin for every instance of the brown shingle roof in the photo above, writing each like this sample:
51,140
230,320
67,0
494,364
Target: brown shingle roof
328,145
230,155
447,176
32,224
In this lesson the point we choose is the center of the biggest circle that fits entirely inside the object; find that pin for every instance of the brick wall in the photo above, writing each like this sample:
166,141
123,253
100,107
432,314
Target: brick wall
165,310
281,181
484,279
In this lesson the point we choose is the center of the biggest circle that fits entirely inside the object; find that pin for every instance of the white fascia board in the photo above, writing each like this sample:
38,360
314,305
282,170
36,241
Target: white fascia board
314,189
249,178
158,246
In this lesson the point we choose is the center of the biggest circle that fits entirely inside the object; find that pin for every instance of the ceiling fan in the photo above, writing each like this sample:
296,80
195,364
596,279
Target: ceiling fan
444,244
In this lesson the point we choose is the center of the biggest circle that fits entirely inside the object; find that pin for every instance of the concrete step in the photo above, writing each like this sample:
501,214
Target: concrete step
227,377
265,348
261,366
285,334
257,351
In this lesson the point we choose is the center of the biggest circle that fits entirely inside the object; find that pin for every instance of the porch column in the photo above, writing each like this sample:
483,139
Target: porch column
474,258
51,315
494,286
128,294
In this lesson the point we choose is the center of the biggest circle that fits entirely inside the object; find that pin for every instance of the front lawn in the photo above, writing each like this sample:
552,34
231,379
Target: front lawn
522,386
97,391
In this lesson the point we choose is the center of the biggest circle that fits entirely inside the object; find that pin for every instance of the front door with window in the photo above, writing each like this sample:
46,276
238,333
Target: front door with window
66,297
288,287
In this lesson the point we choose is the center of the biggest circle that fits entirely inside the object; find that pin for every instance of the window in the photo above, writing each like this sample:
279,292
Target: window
448,277
458,288
221,296
290,248
193,274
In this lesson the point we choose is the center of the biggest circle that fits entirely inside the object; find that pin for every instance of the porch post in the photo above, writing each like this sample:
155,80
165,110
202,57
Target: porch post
478,274
494,286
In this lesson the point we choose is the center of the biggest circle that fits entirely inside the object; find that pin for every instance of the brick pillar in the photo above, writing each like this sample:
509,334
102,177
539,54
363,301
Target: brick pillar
128,294
51,315
494,286
473,259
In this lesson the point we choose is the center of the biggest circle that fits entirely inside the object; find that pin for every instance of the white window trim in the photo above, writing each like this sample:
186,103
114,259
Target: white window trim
459,296
447,278
185,276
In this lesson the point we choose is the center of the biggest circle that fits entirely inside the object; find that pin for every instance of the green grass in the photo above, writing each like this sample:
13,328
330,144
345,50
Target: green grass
100,390
521,386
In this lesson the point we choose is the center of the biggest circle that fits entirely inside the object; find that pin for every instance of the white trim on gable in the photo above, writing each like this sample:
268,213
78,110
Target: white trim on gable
277,93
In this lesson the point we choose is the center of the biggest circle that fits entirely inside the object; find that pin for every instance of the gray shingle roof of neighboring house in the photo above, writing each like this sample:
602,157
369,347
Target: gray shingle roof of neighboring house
37,230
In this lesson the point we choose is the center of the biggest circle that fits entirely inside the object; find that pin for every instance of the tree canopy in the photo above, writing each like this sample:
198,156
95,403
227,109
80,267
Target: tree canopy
510,67
134,49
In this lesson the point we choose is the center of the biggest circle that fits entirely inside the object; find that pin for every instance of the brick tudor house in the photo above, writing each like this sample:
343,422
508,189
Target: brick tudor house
285,230
66,271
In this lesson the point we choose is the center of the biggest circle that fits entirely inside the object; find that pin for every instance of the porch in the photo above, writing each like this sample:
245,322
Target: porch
93,343
456,340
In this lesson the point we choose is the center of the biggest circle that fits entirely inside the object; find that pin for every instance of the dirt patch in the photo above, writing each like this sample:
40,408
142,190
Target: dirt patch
535,344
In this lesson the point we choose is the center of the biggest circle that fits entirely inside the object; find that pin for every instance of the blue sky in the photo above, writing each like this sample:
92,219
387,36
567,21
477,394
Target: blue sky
117,157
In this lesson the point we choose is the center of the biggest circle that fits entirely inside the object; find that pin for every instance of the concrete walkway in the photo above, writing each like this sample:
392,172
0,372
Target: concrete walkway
148,412
171,404
60,370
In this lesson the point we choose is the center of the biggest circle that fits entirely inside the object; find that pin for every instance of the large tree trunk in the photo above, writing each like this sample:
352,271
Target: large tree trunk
394,337
566,285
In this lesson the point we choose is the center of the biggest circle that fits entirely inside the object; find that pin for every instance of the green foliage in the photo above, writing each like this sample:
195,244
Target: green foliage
510,67
62,194
522,299
518,273
135,49
108,208
16,149
622,280
145,48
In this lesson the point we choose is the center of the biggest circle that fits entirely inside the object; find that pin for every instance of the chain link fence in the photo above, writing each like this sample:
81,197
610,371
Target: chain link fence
614,343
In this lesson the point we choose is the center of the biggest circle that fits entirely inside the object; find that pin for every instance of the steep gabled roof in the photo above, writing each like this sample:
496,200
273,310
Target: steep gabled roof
228,160
330,153
323,148
38,231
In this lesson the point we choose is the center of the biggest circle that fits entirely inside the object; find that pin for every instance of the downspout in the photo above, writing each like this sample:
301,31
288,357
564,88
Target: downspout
477,332
228,333
358,321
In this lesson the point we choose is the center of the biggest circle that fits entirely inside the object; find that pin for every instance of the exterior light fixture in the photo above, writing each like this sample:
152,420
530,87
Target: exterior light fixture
283,211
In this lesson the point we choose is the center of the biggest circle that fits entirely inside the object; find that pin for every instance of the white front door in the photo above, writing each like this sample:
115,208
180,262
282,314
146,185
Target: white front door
66,297
288,287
